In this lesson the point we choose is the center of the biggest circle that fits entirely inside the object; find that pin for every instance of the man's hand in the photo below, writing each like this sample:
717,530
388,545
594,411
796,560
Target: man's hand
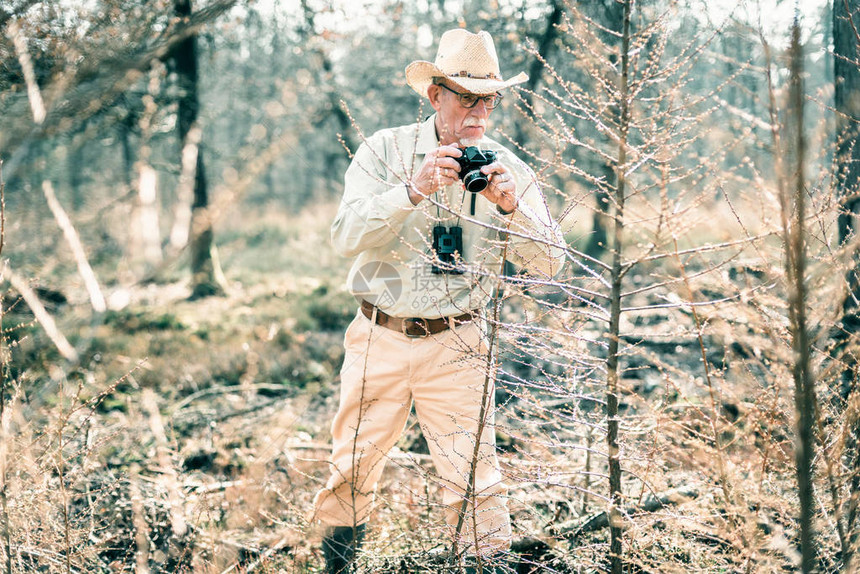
502,189
438,170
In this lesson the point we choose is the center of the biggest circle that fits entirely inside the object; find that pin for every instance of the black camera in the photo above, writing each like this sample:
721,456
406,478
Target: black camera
471,162
448,245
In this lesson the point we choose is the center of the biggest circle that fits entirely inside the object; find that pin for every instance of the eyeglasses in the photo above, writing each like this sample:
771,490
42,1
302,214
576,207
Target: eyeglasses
471,100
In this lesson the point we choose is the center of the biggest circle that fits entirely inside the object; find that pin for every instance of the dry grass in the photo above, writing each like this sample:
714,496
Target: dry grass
194,434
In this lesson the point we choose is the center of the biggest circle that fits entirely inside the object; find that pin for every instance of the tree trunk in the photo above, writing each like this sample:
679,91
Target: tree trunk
206,277
272,95
329,104
126,127
75,163
612,358
147,227
600,219
545,46
611,14
846,96
795,246
147,236
138,175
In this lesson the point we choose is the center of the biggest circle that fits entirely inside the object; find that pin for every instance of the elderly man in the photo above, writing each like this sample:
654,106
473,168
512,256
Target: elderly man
427,257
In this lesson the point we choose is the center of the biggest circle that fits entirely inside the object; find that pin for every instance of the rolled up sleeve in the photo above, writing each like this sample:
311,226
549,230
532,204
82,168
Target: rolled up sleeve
536,242
373,209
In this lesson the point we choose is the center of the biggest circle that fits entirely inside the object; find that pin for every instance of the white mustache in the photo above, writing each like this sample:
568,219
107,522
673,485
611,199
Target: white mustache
474,122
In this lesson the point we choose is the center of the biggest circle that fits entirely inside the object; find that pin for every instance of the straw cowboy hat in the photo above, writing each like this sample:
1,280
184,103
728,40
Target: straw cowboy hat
466,59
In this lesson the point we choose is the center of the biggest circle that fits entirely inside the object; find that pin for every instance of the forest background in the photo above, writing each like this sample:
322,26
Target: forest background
683,398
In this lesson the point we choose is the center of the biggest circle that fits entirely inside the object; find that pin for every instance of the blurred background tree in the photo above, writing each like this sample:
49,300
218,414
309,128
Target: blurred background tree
279,72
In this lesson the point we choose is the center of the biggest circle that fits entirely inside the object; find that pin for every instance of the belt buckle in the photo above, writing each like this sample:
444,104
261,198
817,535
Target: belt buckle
404,327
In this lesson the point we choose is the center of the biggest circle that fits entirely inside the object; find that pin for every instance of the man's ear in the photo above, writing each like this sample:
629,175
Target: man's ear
434,94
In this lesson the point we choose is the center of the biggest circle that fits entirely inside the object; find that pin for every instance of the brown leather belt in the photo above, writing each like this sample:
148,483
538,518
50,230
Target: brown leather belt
414,327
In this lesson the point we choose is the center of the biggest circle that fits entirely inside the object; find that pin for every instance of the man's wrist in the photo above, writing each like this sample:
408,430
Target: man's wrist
415,196
503,212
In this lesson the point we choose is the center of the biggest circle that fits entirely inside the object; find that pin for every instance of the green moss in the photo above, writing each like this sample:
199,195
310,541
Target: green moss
113,404
135,321
324,309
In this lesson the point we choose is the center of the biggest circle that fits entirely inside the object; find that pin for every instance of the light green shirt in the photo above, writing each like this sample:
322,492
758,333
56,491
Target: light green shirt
391,239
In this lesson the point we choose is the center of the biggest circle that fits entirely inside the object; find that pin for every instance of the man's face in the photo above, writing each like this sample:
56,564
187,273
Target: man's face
456,123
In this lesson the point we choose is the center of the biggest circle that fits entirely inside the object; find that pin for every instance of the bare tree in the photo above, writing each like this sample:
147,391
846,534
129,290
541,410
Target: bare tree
543,49
846,77
611,16
846,96
792,185
206,275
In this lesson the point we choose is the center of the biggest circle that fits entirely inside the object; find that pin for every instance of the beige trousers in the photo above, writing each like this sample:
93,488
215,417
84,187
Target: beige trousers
383,373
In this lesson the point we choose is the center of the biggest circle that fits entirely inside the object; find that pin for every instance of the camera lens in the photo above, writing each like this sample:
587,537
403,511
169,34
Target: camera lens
475,181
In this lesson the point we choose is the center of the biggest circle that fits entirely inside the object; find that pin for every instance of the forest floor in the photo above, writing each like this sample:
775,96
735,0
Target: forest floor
192,436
